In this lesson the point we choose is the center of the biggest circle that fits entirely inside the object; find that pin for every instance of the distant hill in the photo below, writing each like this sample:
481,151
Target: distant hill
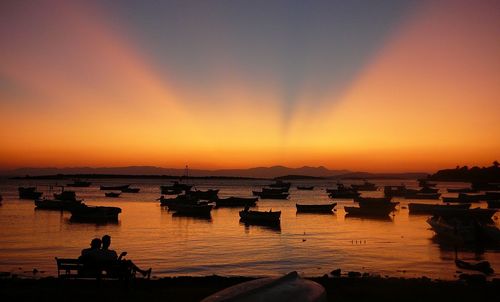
366,175
258,172
466,174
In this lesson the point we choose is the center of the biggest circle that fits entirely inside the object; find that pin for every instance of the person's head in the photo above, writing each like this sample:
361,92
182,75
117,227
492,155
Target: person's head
95,243
106,241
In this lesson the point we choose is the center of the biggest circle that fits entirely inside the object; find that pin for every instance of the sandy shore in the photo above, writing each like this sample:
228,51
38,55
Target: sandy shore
196,288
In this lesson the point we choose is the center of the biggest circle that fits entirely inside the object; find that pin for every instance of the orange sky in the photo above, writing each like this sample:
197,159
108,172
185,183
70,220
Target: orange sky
427,98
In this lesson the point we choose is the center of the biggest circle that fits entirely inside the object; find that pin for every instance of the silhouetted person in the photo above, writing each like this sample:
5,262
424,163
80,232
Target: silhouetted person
93,253
110,255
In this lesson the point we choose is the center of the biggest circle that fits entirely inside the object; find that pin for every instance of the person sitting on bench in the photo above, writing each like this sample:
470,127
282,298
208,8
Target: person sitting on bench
108,255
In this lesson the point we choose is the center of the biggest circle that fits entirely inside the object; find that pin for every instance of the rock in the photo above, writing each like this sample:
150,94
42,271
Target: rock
336,272
354,274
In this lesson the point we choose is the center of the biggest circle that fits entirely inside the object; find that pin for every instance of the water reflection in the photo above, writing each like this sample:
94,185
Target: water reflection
274,227
188,217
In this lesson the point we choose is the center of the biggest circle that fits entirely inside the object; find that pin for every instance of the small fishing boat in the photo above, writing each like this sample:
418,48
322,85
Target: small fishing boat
423,195
95,214
66,196
305,188
484,186
201,209
428,190
280,184
396,191
59,205
315,208
423,208
209,194
176,186
79,183
29,193
275,190
166,191
270,195
114,188
131,190
179,199
236,202
112,194
472,197
425,183
461,190
456,200
481,266
372,209
273,289
366,186
260,216
342,192
454,229
476,214
373,199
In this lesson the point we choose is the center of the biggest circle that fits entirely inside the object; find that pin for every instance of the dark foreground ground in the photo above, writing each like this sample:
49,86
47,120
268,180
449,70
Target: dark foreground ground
196,288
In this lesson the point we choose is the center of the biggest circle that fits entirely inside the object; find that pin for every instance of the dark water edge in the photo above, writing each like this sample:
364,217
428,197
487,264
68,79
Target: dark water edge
196,288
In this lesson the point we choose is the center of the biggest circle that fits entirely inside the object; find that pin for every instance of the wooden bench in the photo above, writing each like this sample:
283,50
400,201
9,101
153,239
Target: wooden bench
68,268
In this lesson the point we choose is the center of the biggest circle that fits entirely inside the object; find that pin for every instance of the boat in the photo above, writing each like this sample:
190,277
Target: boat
396,191
373,199
305,188
131,190
476,214
372,209
315,208
366,186
481,266
191,209
260,216
461,190
95,214
423,208
79,183
236,202
423,195
484,186
179,199
273,289
112,194
114,188
60,205
167,191
493,204
342,192
209,194
280,184
66,196
176,187
428,190
275,190
29,193
454,229
425,183
456,200
270,195
471,197
491,196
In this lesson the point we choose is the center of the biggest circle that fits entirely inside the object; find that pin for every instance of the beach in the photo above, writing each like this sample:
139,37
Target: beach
196,288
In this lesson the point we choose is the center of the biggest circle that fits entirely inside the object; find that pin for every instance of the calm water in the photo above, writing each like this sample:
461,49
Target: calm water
313,244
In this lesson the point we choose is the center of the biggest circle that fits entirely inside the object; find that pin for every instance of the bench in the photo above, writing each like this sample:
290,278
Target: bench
68,268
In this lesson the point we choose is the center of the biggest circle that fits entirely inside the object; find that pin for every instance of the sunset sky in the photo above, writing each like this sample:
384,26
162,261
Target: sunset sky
361,85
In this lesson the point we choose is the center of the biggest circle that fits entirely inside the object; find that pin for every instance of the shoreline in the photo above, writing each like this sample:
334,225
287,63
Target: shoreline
471,287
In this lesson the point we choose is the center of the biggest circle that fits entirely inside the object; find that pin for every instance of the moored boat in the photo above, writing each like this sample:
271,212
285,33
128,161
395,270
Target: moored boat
305,188
79,183
280,184
264,195
260,216
66,196
456,200
476,214
366,186
423,195
60,205
115,188
423,208
209,194
372,209
373,199
342,192
112,194
461,190
95,214
29,193
191,209
315,208
130,190
176,187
